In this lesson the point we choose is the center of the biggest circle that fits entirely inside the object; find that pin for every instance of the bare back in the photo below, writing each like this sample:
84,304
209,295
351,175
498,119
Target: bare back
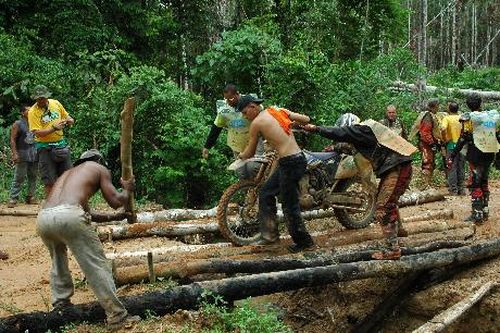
77,185
275,135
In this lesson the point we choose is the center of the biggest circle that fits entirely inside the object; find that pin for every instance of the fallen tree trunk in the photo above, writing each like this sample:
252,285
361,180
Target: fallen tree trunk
445,318
15,212
231,289
407,199
327,240
444,214
420,197
398,85
183,269
163,229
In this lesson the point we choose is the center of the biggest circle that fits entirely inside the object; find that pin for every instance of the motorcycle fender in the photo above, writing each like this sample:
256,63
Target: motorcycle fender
347,168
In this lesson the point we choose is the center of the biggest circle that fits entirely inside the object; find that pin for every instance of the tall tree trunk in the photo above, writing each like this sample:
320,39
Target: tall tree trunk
423,36
454,34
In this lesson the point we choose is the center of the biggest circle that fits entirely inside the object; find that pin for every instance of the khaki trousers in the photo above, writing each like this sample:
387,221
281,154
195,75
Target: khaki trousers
68,226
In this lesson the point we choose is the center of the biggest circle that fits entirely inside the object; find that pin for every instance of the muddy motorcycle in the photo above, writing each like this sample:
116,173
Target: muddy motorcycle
333,181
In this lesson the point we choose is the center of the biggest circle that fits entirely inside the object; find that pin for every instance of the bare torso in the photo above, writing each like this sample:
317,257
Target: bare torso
77,185
275,135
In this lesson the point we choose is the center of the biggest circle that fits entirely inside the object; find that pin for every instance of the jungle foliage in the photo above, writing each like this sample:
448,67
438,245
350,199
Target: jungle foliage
321,58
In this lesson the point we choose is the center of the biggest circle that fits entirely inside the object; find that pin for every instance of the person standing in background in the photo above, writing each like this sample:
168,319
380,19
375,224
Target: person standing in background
451,128
392,121
25,158
47,119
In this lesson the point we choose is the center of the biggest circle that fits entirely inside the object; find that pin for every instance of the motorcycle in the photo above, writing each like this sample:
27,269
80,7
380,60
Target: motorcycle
337,180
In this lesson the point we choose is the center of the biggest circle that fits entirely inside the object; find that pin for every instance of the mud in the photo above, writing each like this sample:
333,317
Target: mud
338,307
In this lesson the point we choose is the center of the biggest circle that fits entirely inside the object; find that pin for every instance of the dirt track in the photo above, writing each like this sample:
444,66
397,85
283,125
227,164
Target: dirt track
336,308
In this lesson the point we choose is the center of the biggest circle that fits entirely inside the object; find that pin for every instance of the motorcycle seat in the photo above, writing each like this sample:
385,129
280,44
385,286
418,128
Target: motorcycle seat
322,156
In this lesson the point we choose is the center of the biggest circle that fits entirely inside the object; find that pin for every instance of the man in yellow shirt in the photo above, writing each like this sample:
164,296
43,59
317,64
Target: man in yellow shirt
47,118
451,128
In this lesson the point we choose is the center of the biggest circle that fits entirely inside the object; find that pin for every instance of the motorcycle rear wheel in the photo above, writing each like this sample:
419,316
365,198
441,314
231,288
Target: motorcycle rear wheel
351,219
237,213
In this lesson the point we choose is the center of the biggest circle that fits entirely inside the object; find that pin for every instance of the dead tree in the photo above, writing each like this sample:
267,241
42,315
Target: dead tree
446,318
182,269
231,289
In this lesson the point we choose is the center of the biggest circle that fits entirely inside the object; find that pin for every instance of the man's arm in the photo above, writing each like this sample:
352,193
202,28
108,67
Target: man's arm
298,117
211,139
13,136
252,141
114,198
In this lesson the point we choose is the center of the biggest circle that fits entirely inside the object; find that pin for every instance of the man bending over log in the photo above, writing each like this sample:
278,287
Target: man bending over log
64,221
389,155
274,124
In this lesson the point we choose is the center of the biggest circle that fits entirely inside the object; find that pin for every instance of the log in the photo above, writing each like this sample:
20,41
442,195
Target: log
127,122
420,197
182,269
15,212
485,94
329,240
444,214
163,229
449,316
187,297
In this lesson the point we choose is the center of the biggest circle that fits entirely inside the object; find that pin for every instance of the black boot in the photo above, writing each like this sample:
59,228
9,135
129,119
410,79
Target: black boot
477,211
486,210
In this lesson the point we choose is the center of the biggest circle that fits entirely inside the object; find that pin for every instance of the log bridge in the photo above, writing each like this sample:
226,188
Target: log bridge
231,289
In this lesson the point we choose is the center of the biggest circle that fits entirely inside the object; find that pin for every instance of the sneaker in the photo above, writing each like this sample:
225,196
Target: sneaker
294,248
387,255
12,203
126,322
3,255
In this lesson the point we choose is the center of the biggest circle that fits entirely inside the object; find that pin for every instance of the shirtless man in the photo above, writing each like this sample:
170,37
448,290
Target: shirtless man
64,221
274,124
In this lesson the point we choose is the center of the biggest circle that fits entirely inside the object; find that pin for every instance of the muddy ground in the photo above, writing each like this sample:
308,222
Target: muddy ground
24,283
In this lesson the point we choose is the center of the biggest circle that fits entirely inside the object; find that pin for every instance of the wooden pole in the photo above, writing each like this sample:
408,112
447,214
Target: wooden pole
127,122
449,316
231,289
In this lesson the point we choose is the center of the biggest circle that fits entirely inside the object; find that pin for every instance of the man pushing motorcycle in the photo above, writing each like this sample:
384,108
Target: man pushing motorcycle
389,155
274,124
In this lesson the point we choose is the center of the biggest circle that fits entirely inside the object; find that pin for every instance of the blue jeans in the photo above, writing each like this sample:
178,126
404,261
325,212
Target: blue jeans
285,181
23,169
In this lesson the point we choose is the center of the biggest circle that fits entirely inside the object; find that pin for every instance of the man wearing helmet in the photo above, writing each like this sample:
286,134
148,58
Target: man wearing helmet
389,155
480,132
64,222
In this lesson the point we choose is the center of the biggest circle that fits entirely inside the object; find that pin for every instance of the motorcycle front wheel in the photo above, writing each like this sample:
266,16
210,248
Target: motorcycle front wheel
237,213
353,219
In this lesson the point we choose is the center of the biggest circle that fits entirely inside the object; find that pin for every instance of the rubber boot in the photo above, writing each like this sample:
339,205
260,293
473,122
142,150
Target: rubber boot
390,231
269,232
486,209
426,179
477,212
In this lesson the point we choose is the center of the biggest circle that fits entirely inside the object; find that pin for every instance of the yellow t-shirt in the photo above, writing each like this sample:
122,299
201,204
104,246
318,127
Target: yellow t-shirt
452,126
40,119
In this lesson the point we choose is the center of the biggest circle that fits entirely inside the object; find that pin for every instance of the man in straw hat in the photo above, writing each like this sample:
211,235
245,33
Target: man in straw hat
64,222
47,119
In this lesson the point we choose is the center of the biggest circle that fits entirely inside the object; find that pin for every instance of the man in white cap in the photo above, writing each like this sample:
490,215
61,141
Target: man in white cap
64,222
